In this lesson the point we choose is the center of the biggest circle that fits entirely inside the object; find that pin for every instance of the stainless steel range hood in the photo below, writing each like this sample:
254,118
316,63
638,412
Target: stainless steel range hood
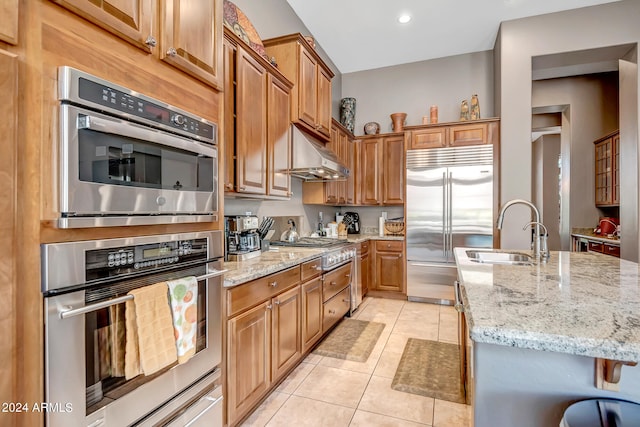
312,161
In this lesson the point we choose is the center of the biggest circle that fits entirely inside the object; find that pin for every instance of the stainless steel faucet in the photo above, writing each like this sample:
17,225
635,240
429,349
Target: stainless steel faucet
536,240
544,246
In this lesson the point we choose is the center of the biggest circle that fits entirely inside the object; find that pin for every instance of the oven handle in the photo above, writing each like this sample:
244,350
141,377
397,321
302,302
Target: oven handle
133,130
67,312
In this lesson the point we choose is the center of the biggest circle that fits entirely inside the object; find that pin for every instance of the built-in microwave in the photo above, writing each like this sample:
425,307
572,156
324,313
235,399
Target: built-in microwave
129,159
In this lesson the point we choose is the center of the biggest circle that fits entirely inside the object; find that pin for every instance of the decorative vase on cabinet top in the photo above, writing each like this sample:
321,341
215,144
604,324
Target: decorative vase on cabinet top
371,128
397,120
348,113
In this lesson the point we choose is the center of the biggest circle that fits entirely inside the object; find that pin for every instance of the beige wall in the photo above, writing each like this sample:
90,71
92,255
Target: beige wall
546,150
413,88
593,27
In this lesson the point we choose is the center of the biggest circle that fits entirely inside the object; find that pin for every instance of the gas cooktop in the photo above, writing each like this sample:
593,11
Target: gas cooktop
311,242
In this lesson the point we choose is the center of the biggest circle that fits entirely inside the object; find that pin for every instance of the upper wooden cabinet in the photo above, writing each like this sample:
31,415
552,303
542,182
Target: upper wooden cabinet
393,170
381,170
132,20
192,38
452,134
257,126
607,170
9,21
311,95
191,30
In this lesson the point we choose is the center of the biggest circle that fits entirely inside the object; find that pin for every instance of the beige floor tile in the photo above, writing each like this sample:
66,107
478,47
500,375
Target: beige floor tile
266,410
419,310
350,365
426,330
295,378
387,364
369,419
333,385
448,329
299,412
380,398
450,414
313,358
396,343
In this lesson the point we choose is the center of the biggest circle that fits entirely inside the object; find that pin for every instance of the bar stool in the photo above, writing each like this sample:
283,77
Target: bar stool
602,413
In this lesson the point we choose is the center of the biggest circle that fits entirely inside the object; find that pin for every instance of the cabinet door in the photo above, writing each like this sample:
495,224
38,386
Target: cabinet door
428,138
278,138
365,274
229,52
311,313
370,162
307,81
389,271
350,161
393,170
251,126
192,38
248,359
615,192
9,21
331,187
286,344
468,134
323,112
604,176
343,156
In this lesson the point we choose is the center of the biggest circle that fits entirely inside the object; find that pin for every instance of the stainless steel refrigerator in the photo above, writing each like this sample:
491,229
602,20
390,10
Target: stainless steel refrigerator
449,204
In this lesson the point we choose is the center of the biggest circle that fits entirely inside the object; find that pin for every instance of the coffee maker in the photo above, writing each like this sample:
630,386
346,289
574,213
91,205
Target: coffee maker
352,219
241,237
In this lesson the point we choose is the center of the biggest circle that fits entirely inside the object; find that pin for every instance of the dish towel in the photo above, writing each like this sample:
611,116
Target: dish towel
117,336
150,329
184,304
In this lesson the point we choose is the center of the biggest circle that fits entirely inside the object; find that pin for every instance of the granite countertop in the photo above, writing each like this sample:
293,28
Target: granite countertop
280,258
580,303
589,234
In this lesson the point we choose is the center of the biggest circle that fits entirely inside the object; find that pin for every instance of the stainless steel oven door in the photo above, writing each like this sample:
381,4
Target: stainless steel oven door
79,337
116,172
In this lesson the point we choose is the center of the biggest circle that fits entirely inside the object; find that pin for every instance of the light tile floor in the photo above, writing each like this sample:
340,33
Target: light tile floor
324,391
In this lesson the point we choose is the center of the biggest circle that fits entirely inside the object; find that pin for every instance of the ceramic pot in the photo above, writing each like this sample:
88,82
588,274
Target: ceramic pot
348,113
475,108
397,120
371,128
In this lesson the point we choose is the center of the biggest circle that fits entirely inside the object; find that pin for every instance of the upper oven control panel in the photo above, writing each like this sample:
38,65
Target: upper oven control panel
90,91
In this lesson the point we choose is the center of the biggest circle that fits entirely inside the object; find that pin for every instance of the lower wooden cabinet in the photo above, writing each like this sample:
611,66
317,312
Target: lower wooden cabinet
389,266
364,269
335,308
286,346
311,313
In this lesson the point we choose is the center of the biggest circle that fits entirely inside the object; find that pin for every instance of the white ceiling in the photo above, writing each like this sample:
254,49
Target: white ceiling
364,34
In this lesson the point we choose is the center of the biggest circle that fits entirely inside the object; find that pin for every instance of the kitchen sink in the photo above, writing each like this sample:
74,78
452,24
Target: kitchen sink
489,257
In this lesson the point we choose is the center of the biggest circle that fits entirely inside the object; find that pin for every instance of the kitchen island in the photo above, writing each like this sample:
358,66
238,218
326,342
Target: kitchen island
538,331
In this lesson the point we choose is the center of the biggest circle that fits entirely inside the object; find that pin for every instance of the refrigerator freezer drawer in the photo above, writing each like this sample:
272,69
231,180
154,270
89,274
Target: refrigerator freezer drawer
431,282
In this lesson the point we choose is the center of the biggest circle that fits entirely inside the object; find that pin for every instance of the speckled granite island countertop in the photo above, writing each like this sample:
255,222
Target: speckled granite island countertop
580,303
281,257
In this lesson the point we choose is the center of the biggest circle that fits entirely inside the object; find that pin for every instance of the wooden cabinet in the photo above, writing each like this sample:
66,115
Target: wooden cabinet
191,30
452,134
604,248
382,170
257,133
192,38
311,312
263,337
607,174
336,295
364,267
9,21
389,266
311,95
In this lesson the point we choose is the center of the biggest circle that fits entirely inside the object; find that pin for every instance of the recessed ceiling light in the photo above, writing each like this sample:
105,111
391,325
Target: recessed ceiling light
403,19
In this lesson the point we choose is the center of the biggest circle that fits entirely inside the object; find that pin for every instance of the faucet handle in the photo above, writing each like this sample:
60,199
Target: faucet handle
544,246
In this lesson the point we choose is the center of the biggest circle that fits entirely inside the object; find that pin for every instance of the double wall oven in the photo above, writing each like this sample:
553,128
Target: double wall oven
129,159
85,286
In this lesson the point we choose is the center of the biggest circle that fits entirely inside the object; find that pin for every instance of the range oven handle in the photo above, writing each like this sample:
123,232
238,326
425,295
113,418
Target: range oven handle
65,313
133,130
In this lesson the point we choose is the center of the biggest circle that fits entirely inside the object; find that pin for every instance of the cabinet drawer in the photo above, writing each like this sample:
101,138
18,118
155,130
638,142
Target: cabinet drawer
249,294
471,134
390,245
596,247
335,281
429,138
335,309
311,269
364,248
613,250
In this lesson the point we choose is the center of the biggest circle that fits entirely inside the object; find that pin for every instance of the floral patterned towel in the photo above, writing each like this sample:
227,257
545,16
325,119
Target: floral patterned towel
184,298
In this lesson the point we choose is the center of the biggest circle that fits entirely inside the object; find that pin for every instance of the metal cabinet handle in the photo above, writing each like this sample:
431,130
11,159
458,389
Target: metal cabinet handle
172,52
276,302
273,284
317,267
269,307
332,312
332,283
347,275
151,41
346,300
242,188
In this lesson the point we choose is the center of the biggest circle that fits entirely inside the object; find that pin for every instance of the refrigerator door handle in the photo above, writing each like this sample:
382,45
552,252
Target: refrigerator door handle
450,219
445,204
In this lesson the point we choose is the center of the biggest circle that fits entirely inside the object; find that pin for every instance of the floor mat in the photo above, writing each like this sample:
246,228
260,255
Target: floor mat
430,368
352,339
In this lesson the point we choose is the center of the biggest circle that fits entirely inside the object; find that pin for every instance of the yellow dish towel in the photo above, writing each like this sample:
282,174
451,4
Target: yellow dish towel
154,327
184,303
